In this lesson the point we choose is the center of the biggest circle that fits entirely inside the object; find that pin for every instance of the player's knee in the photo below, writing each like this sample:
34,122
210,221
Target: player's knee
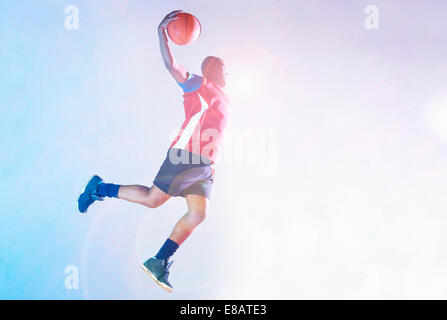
152,203
198,215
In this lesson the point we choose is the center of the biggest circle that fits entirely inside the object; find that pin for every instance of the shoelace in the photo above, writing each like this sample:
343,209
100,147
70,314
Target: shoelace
168,265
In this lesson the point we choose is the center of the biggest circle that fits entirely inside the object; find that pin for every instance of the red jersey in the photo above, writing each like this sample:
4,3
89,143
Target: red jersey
206,118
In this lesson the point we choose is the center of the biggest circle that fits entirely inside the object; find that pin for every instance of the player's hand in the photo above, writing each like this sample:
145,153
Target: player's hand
170,17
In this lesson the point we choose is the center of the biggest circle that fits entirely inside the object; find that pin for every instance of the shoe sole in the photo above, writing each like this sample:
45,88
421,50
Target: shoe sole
153,277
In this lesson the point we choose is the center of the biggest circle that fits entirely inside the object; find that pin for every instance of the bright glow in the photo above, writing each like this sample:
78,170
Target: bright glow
354,208
253,72
437,117
243,84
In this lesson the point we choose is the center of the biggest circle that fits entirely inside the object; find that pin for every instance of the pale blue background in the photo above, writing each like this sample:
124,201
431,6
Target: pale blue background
355,208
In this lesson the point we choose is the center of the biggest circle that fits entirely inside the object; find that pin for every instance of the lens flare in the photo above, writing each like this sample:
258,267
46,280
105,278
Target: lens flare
437,117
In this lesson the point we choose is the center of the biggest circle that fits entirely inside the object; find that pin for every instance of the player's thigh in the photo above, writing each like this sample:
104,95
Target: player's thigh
156,197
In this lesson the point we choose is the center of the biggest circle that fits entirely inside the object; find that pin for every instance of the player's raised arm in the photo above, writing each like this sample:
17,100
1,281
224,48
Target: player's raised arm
178,71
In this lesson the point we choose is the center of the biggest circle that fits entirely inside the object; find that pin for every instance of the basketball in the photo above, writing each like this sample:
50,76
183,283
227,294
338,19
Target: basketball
185,30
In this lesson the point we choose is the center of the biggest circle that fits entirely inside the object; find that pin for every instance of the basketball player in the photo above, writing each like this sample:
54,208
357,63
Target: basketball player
187,170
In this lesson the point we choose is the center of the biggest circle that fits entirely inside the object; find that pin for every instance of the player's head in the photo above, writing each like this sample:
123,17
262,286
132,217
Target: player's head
213,68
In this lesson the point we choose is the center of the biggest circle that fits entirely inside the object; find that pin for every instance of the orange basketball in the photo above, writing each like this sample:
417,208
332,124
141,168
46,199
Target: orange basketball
185,30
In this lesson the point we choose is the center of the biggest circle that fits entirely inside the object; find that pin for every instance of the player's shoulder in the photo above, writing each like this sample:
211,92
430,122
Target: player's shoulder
192,83
217,89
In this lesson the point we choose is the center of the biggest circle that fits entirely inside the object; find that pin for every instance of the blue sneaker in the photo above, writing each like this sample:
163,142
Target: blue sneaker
158,270
89,195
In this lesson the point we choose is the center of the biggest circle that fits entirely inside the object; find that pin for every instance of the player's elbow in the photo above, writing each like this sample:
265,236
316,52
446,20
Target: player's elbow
178,75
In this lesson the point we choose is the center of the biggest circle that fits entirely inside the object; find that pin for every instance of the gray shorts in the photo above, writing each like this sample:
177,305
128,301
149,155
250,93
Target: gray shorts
181,179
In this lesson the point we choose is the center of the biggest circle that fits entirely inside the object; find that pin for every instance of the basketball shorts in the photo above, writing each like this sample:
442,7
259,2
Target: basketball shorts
184,173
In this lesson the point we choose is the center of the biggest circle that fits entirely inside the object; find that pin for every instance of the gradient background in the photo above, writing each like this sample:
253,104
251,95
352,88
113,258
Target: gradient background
353,204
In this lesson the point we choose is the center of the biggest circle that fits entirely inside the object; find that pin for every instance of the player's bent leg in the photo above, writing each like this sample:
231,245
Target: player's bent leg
97,189
157,267
151,197
196,214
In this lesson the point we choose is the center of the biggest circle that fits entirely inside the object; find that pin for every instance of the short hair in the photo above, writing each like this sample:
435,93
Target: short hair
209,62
